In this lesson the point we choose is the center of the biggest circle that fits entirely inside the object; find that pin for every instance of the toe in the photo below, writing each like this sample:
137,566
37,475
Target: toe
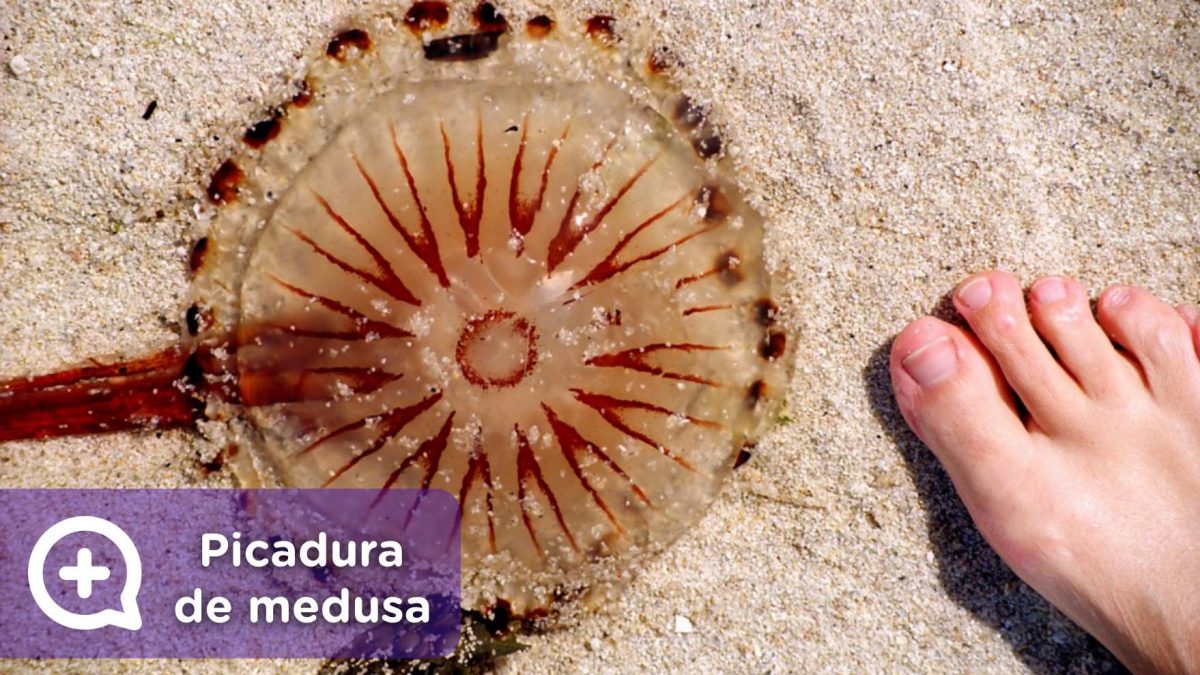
1191,316
1155,335
1063,317
955,399
994,305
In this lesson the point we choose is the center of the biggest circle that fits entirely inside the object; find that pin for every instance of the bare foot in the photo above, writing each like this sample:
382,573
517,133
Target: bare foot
1093,495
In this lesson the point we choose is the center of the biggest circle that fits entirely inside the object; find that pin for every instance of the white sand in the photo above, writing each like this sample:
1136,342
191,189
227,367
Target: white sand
895,146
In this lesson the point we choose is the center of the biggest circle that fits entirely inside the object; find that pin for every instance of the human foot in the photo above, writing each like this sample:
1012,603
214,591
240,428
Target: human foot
1090,487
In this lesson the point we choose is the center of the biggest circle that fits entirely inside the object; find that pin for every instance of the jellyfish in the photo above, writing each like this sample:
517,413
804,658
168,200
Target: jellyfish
511,263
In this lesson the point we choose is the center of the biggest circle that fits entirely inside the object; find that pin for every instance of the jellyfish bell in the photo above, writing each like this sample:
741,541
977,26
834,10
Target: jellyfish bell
512,265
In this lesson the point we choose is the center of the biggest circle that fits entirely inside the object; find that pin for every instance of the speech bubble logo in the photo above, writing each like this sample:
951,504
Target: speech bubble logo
127,616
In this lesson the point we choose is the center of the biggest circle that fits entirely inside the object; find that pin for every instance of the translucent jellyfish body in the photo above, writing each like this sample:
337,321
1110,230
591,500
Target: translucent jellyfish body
508,264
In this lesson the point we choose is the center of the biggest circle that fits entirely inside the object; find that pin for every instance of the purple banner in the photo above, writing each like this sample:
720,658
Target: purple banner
229,573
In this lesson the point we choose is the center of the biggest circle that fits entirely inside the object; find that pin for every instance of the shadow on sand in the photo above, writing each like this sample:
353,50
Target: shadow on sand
972,574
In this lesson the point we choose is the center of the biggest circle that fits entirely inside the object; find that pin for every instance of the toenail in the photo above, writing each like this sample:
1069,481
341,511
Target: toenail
1049,290
1118,296
932,362
1190,313
976,293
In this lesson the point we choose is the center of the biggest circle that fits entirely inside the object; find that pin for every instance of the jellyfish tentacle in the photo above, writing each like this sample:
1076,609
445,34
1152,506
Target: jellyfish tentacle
146,393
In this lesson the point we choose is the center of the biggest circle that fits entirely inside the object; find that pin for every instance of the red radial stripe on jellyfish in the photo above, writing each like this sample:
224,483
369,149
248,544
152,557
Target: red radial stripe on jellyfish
364,325
478,469
393,422
569,235
384,278
429,455
468,214
574,445
726,268
609,267
424,245
528,470
610,409
520,211
636,359
706,308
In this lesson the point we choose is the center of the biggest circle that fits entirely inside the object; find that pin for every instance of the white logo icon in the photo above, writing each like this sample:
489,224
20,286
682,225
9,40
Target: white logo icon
84,574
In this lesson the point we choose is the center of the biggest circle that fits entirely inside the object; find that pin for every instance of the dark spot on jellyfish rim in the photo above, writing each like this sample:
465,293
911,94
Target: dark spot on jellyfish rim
196,257
773,345
304,94
150,108
498,617
716,204
539,26
689,114
191,319
708,146
756,392
217,463
466,47
488,19
423,16
765,312
744,455
223,188
600,28
355,37
660,60
193,372
261,133
727,268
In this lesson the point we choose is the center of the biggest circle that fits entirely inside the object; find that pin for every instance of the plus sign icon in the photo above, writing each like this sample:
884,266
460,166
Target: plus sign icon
220,573
84,574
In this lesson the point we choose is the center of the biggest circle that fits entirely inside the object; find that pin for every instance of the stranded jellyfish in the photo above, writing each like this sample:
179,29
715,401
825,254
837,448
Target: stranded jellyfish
508,264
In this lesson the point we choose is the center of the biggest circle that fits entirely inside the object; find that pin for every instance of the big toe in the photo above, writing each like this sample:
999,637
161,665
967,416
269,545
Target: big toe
953,396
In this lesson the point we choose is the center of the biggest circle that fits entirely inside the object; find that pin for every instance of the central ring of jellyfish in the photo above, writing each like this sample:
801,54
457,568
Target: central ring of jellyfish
536,297
497,349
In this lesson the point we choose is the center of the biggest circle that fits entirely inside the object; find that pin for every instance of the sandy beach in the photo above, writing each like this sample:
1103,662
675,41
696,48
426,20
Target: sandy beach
894,148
